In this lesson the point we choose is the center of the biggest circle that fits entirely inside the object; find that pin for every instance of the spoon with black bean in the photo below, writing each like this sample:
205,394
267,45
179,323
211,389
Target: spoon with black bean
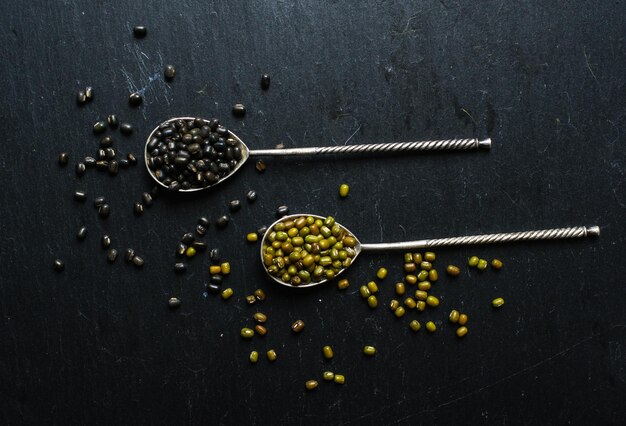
189,154
304,250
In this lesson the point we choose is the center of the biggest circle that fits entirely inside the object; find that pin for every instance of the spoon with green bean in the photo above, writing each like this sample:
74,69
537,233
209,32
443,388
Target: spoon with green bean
187,154
304,250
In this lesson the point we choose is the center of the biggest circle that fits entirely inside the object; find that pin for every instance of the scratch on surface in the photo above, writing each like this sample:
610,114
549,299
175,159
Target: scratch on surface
468,114
587,56
353,133
406,27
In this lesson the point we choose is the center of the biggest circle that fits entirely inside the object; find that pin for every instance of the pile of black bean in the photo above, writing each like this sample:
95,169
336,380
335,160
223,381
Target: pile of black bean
187,154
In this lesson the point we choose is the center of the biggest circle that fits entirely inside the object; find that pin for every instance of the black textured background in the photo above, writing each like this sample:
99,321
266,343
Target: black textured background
97,343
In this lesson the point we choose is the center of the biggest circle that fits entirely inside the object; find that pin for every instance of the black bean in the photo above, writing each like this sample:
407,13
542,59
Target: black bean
106,141
234,205
114,167
99,127
64,158
111,255
213,288
138,208
140,31
89,161
80,169
251,196
181,248
126,129
239,110
265,81
261,231
82,233
200,230
147,199
102,165
282,211
113,121
132,159
173,303
88,93
109,153
80,97
101,154
138,261
215,255
104,210
98,201
124,163
129,254
174,186
199,245
222,221
106,241
204,222
59,265
135,99
180,267
80,196
260,166
217,279
170,72
188,238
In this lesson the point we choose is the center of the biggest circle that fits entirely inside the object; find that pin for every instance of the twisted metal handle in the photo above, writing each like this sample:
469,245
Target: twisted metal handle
438,145
546,234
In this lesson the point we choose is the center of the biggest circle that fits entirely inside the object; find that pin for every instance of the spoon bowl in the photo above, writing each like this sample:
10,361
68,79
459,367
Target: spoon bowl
546,234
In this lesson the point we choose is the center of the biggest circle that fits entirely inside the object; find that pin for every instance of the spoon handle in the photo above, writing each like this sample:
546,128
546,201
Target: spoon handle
439,145
545,234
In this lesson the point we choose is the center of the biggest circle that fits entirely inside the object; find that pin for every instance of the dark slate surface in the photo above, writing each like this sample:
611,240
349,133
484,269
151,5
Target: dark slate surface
97,344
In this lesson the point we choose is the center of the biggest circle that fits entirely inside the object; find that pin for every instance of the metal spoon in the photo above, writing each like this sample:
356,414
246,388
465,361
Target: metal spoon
436,145
545,234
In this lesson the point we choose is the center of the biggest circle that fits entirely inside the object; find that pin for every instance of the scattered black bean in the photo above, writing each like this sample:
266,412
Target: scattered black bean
102,165
89,161
140,31
114,167
132,159
234,205
113,121
106,141
82,233
129,254
104,210
173,303
260,166
222,221
109,153
98,201
138,261
99,127
217,279
124,163
180,267
106,241
215,255
199,245
265,81
64,158
111,255
101,154
80,97
88,93
251,196
200,230
126,129
80,196
147,199
181,248
261,231
204,222
80,169
282,211
188,238
239,110
135,99
138,208
59,265
170,72
213,288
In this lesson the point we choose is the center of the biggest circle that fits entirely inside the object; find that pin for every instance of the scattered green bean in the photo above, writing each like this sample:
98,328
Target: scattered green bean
311,384
461,331
254,356
369,350
381,273
415,325
496,303
454,316
496,264
473,261
482,264
343,284
271,355
372,301
327,351
340,379
247,333
453,271
328,376
430,326
344,189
